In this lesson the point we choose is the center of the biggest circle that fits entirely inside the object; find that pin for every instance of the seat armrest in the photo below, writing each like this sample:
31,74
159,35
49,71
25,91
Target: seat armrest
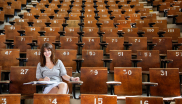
151,24
81,17
47,24
112,84
145,72
64,24
36,16
74,83
126,17
12,22
81,33
112,17
135,61
81,24
142,17
151,45
5,82
176,45
120,33
80,44
148,84
32,44
9,45
41,33
30,23
103,44
2,31
96,11
66,18
99,24
107,60
127,45
51,17
22,60
100,33
57,44
62,33
21,15
97,17
165,61
132,6
115,24
140,33
160,33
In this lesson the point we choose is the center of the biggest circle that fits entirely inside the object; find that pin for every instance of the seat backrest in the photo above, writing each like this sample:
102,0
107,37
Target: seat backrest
150,16
57,23
59,16
8,58
8,10
2,40
131,78
143,100
106,23
68,42
124,57
163,44
161,24
150,59
175,55
172,32
168,82
2,16
142,23
91,43
67,56
20,42
118,17
53,31
134,17
173,10
98,83
39,23
33,56
90,31
51,98
138,43
41,5
178,18
92,58
164,5
73,23
114,43
150,32
11,31
123,24
10,98
72,31
129,32
98,99
29,16
32,31
90,23
43,39
74,16
45,16
20,75
109,32
35,10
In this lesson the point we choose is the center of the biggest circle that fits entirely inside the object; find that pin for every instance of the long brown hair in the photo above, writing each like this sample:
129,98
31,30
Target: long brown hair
47,46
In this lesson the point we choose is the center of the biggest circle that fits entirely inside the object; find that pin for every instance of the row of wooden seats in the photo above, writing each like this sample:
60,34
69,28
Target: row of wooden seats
85,98
124,78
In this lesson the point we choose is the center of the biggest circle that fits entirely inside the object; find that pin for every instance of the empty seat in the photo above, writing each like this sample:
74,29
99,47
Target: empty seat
149,100
10,98
33,56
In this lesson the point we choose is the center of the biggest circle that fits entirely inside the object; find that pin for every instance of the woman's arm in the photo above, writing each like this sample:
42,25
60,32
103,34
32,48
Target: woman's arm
68,78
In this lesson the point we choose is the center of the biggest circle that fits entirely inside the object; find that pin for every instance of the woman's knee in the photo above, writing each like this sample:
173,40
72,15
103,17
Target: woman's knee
63,85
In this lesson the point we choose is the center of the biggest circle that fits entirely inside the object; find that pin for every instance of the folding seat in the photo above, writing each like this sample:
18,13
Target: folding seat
90,32
74,16
89,6
98,99
71,31
138,6
68,42
41,5
128,11
59,16
8,11
21,42
63,10
121,2
22,22
51,98
134,17
50,10
10,98
150,59
8,58
2,17
125,6
124,57
134,2
2,41
106,23
142,23
29,16
171,11
32,31
138,43
163,44
143,10
90,23
73,23
52,31
162,24
130,77
33,57
101,6
90,16
35,10
91,43
118,17
16,5
163,6
123,24
44,16
11,31
42,39
67,56
150,16
112,6
168,82
44,1
129,32
174,57
90,10
156,2
114,43
142,100
53,4
150,32
98,83
23,2
57,23
109,32
39,23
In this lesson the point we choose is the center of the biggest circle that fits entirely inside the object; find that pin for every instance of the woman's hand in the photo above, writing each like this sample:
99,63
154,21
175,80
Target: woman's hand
46,79
75,79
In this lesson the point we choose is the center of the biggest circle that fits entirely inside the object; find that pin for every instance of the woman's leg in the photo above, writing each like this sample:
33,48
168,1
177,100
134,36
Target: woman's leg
54,90
62,88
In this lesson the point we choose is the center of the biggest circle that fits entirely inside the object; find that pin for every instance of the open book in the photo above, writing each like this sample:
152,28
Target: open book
41,82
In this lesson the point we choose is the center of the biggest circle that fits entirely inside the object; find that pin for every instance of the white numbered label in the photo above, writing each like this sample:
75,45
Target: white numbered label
147,54
137,40
92,53
54,101
4,101
91,40
69,39
37,53
129,72
46,39
114,40
24,71
100,101
150,30
144,102
66,53
163,73
120,53
8,52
